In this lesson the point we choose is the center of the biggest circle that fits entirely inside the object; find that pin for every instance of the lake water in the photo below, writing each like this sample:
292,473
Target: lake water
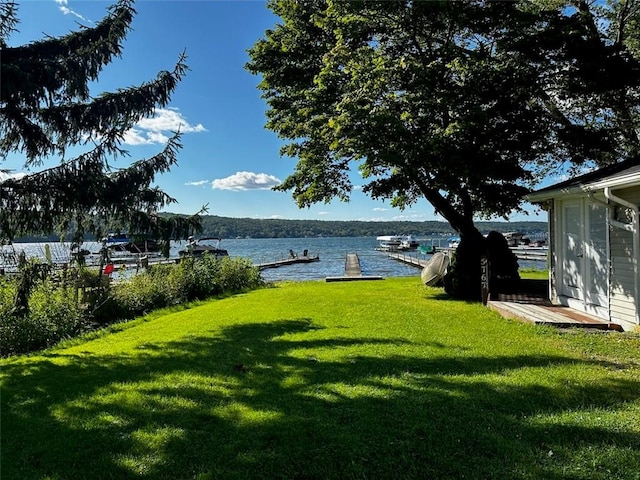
332,252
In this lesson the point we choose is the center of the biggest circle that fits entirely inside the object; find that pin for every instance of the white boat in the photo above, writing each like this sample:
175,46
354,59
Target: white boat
393,243
197,248
435,269
453,242
515,239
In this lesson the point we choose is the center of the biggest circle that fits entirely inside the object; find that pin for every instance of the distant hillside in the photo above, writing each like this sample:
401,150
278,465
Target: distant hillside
226,227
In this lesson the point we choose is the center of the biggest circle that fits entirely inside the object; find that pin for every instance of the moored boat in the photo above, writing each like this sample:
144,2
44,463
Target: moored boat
197,248
124,243
394,243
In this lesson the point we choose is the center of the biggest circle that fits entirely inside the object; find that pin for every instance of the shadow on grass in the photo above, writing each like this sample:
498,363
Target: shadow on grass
254,402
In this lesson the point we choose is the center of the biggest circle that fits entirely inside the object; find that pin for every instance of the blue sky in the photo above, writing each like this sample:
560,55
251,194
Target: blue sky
229,160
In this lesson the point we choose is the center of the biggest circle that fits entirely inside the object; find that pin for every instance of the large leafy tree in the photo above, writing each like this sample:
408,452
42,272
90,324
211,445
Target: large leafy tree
465,104
589,59
46,107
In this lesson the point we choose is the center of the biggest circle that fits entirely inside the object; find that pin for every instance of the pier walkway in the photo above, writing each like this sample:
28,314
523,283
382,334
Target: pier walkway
352,271
420,260
413,260
288,261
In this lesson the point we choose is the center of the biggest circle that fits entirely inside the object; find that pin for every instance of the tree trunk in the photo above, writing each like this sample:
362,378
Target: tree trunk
463,278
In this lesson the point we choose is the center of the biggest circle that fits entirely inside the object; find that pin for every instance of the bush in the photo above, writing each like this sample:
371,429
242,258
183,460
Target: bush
503,262
53,315
57,312
462,280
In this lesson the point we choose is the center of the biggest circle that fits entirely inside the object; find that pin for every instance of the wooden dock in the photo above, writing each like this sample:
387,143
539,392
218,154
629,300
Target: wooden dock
288,261
420,261
352,265
413,260
352,271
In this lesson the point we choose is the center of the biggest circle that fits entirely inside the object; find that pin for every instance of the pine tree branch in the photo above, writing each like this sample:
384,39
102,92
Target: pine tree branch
83,186
63,66
48,131
8,21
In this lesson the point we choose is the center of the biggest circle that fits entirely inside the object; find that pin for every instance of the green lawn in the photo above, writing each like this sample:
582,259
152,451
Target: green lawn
314,380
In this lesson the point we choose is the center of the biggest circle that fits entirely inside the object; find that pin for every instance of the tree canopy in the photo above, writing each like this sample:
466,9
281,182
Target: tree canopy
46,107
465,104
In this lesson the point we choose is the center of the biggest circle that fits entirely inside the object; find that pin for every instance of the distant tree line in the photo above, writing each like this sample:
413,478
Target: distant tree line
226,227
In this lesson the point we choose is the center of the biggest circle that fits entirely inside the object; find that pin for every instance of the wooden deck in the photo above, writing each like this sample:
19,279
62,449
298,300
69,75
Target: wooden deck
529,302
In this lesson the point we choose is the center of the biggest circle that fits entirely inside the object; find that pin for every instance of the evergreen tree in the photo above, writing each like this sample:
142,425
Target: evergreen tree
46,108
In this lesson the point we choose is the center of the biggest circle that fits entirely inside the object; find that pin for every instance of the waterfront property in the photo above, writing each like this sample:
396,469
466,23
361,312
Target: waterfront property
378,380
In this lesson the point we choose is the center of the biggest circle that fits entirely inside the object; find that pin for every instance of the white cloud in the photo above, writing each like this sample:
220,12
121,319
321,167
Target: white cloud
157,137
169,120
323,213
198,183
380,209
136,137
156,130
62,6
246,181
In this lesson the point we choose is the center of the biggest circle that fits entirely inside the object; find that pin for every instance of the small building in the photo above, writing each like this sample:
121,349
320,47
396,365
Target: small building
594,242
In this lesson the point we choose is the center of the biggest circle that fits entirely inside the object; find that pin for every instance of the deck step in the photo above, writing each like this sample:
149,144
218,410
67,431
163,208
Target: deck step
546,315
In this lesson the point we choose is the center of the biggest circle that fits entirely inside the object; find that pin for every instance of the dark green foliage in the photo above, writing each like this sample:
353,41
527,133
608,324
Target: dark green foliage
425,99
503,262
227,227
463,277
53,315
59,310
166,285
30,272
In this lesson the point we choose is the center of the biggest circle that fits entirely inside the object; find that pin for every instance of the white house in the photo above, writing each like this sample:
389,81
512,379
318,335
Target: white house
594,242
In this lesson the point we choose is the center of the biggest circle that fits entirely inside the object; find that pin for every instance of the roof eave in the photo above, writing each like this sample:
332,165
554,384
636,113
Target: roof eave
624,181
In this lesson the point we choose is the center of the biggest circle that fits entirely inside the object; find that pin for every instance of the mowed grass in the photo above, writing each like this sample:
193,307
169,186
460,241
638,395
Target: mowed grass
314,380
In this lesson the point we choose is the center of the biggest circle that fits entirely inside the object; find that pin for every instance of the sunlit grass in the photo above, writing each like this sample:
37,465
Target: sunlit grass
534,273
327,380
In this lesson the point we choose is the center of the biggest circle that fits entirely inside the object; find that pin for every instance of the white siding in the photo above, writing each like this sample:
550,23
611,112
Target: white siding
553,256
623,289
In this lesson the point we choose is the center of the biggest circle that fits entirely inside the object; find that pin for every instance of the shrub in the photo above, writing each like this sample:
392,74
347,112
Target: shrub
165,285
53,315
57,312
